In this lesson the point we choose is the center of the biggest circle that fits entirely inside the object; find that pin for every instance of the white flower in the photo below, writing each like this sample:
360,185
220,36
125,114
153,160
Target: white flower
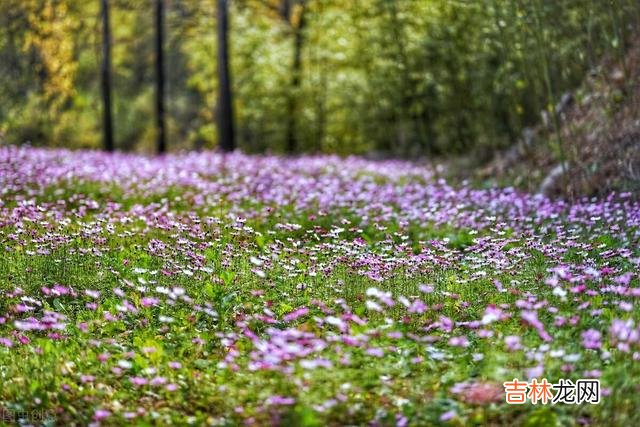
372,305
125,364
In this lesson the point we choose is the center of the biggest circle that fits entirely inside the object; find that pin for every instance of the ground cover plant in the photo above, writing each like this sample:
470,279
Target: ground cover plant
226,289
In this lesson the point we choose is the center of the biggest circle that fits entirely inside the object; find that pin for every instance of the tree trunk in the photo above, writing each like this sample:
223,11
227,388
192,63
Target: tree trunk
296,71
160,119
407,129
106,78
225,101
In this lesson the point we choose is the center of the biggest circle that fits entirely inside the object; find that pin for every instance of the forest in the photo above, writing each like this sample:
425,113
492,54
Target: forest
398,78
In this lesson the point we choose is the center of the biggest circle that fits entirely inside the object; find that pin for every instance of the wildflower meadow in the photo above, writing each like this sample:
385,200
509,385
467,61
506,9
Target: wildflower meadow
228,289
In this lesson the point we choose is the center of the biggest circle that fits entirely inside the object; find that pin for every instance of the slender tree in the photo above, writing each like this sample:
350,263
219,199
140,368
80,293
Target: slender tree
293,13
225,100
296,71
160,119
106,77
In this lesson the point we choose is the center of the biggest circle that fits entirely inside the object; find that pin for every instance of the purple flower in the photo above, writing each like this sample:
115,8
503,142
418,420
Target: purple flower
625,306
91,293
591,339
149,301
459,341
531,318
448,415
302,311
375,352
512,342
445,324
101,414
87,379
622,330
427,289
155,381
138,381
417,306
491,314
535,372
624,279
280,400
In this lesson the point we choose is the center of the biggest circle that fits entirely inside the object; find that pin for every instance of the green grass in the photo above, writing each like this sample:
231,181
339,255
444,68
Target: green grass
216,264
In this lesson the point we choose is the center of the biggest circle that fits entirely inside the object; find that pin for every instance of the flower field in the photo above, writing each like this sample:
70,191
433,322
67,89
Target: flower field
212,289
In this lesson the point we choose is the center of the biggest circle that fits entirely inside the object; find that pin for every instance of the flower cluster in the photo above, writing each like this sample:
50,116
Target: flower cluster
227,288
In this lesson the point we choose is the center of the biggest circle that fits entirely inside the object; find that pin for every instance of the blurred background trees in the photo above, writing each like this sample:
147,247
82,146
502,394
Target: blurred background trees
395,77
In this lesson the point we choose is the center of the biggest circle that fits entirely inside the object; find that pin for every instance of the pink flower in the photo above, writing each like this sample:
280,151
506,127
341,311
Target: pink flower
138,381
512,342
417,307
302,311
21,308
158,381
23,339
625,306
61,290
531,318
149,301
460,341
87,379
101,414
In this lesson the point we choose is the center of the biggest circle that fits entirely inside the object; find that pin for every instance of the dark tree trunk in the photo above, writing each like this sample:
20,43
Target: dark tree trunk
107,119
296,74
160,120
407,129
225,101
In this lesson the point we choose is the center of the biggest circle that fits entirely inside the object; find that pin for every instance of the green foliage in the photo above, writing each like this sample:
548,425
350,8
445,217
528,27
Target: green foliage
400,77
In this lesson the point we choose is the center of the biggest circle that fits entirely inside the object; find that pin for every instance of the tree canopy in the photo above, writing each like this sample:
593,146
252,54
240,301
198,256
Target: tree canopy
348,76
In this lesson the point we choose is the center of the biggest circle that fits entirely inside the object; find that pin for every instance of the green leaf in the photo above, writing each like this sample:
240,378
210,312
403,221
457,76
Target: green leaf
543,417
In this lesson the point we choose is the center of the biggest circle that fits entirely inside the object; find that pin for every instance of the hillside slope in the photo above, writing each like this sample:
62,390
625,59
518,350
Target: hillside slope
600,138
